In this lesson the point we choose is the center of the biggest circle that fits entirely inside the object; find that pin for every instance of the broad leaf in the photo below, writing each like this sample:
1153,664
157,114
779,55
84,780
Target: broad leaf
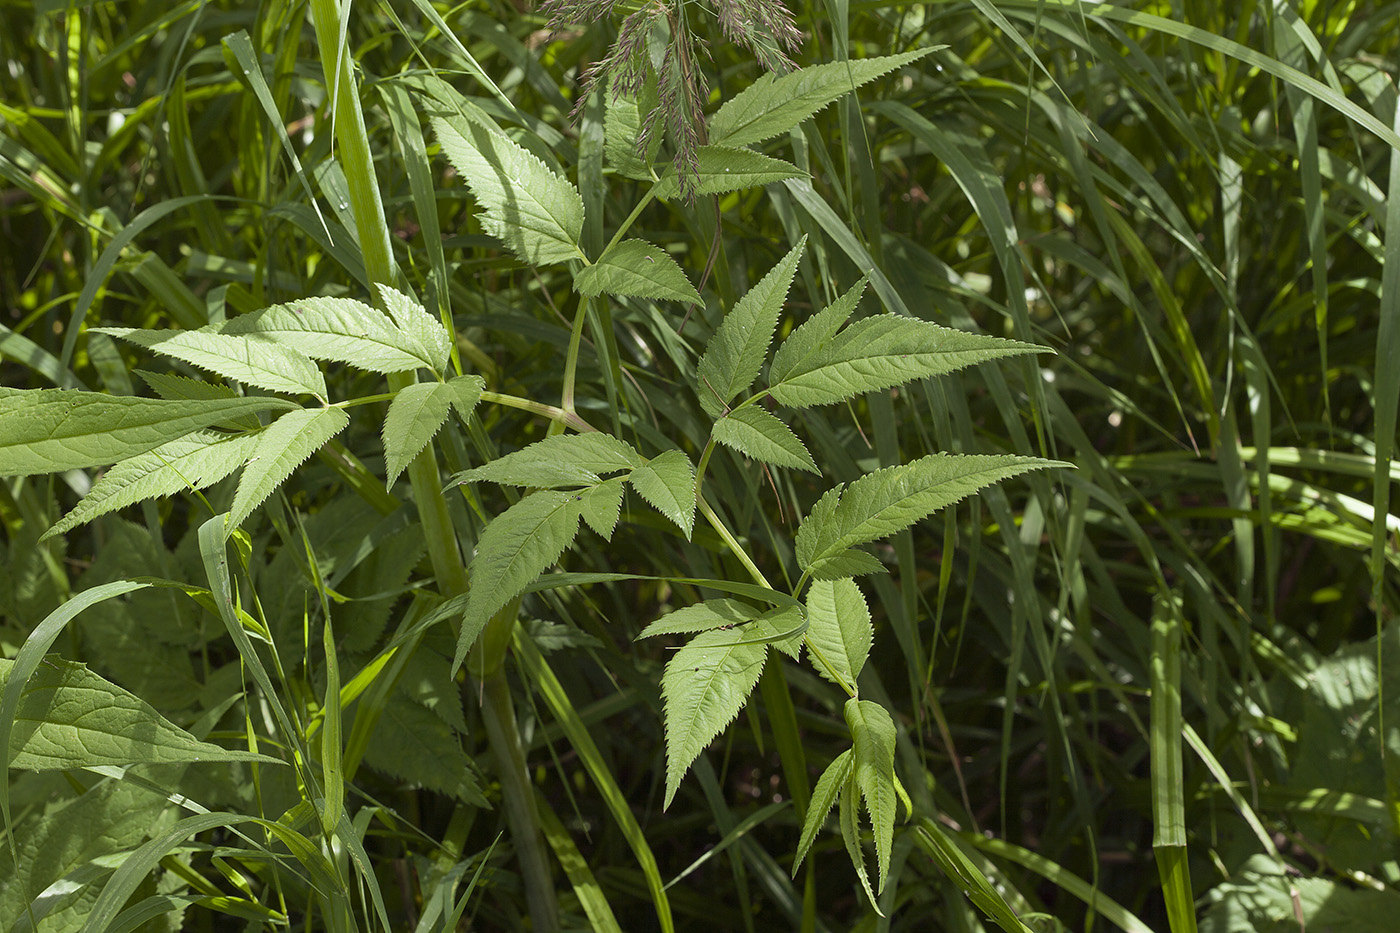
414,744
735,353
874,735
880,352
702,617
51,430
622,129
466,392
561,460
339,329
838,629
774,104
757,434
534,212
70,718
515,548
724,168
814,334
851,562
179,388
422,330
256,362
414,416
637,269
667,481
282,447
881,503
704,686
824,797
601,506
195,461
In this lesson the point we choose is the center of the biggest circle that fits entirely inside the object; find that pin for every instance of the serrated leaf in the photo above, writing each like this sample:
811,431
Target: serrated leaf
667,481
195,461
51,430
735,353
282,447
824,797
637,269
466,392
849,813
622,129
881,503
339,329
884,351
415,745
177,388
70,718
873,750
757,434
704,686
839,629
702,617
601,507
851,562
421,328
534,212
416,413
813,334
256,362
518,545
774,104
783,628
722,169
561,460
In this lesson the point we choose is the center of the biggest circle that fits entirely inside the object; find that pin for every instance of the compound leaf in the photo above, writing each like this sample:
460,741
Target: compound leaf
823,799
667,481
282,447
257,362
722,169
561,460
756,433
466,392
702,617
874,735
851,562
415,415
839,629
813,334
423,331
413,744
601,506
637,269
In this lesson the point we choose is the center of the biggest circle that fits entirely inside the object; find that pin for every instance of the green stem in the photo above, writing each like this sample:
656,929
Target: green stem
552,412
631,218
571,360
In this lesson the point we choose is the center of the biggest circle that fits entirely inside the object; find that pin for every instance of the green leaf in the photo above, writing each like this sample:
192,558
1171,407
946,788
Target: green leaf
725,168
735,353
838,628
880,352
282,447
339,329
51,430
70,718
850,834
561,460
425,332
874,734
1262,897
814,334
414,416
515,548
823,799
466,392
757,434
194,461
881,503
413,744
179,388
601,507
667,481
534,212
637,269
851,562
702,617
262,363
704,686
622,129
774,104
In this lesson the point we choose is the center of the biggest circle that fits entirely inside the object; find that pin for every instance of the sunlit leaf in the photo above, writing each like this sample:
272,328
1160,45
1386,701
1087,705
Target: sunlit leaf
282,447
757,434
263,363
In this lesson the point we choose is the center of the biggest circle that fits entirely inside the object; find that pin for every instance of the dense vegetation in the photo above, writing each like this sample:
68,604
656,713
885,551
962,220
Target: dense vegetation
360,365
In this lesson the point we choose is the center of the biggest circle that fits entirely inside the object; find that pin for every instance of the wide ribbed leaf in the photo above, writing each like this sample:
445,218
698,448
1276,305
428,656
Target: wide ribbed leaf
340,329
561,460
722,169
757,434
838,629
874,734
257,362
414,416
881,503
636,269
667,481
50,430
282,447
414,744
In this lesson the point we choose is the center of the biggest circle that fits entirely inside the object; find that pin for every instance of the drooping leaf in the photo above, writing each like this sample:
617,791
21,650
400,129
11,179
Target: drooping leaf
667,481
601,506
637,269
757,434
560,460
735,353
196,461
415,745
704,687
515,548
534,212
702,617
422,330
258,362
414,416
881,503
70,718
839,629
282,447
824,797
466,392
51,430
814,334
774,104
880,352
339,329
849,814
722,169
851,562
874,735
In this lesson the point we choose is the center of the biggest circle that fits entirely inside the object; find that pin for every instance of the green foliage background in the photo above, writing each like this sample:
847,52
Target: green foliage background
1157,692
